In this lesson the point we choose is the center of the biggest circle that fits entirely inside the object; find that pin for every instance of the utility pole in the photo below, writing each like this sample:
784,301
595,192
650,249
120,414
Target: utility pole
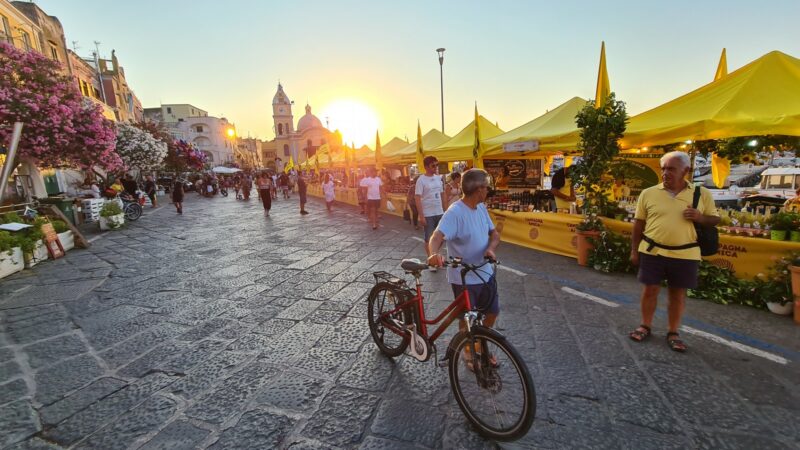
99,71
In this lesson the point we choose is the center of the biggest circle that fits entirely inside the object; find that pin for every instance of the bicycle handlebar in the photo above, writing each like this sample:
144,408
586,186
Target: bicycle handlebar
456,262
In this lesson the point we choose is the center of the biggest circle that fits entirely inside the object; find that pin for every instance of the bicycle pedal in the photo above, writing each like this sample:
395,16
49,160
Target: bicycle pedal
442,362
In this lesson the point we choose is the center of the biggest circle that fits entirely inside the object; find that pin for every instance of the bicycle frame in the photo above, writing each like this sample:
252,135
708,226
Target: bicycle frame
457,308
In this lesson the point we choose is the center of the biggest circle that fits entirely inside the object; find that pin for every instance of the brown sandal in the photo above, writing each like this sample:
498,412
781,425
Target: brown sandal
676,344
641,333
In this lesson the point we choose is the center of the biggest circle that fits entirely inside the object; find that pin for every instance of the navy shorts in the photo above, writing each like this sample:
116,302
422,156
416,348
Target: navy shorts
373,204
482,296
679,273
431,222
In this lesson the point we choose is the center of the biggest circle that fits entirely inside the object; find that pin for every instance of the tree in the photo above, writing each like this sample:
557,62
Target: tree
61,128
600,130
139,149
183,156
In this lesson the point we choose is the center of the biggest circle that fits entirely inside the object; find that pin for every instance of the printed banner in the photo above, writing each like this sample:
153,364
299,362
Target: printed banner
515,173
642,172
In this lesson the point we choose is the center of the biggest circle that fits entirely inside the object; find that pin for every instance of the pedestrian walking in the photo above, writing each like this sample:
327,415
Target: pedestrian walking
429,199
453,190
328,191
247,186
664,243
373,186
263,184
283,183
150,190
177,195
412,203
361,193
302,190
130,185
274,188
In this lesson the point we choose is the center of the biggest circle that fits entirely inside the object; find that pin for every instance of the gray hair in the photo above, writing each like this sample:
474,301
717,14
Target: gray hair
682,156
472,180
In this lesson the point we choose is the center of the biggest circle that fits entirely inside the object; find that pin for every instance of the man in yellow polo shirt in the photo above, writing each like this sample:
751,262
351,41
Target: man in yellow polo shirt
663,234
563,190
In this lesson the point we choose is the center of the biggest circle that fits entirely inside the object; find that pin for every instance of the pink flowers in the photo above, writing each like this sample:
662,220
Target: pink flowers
60,129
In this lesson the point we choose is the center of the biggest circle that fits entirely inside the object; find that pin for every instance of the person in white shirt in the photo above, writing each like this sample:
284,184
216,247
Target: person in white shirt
429,198
373,186
328,190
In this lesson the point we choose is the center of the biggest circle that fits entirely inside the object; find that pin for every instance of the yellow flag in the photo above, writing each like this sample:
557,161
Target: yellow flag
722,67
477,162
289,165
378,162
420,154
720,169
603,84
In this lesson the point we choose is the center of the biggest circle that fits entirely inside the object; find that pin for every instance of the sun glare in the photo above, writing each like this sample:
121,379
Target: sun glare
356,121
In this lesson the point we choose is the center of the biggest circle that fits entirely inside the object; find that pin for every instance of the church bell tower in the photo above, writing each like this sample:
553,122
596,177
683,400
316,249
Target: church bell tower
283,123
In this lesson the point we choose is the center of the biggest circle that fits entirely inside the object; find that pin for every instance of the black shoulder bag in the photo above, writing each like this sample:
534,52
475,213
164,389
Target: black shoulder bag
707,237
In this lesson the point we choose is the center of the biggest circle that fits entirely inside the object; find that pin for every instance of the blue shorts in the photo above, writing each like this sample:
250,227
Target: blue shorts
431,222
482,296
679,273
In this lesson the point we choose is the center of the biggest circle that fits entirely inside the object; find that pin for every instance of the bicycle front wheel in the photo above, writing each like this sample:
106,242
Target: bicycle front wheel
491,384
133,211
388,330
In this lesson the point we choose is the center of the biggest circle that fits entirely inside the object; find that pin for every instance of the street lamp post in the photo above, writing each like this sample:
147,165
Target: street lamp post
440,51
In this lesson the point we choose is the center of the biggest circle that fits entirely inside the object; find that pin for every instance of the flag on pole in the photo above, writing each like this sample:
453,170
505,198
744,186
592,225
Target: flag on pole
378,162
477,162
722,67
603,84
720,169
289,165
420,154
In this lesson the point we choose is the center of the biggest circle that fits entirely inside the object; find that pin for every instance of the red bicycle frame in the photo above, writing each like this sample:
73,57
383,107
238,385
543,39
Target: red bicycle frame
459,306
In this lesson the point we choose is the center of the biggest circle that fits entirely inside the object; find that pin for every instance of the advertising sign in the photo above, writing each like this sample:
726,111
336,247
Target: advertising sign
524,146
515,173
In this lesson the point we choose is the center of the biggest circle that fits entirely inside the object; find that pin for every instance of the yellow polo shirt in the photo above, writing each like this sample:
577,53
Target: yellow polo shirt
560,202
664,222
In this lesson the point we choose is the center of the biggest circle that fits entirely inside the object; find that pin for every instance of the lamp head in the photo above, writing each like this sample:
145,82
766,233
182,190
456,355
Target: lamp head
440,51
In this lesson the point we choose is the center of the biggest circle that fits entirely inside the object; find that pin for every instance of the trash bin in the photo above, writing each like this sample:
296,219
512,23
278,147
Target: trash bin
65,204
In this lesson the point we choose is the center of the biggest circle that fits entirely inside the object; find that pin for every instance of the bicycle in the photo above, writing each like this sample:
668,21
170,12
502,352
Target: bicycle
478,354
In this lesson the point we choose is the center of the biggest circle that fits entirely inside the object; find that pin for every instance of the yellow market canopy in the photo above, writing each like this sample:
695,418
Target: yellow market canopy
760,98
555,130
408,153
459,147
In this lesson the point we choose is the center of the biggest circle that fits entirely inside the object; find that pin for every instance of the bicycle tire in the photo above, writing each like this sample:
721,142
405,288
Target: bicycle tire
380,294
133,211
512,367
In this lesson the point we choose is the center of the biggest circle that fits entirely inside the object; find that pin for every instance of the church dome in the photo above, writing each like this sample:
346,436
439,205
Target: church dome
308,121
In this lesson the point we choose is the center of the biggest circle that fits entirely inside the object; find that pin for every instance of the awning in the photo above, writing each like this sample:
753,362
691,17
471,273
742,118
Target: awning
459,147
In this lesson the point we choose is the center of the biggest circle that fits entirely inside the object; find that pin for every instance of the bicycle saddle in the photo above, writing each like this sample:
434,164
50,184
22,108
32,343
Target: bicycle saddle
413,265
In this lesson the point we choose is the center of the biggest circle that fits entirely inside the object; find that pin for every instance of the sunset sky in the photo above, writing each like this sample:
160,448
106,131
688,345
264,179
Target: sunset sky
516,59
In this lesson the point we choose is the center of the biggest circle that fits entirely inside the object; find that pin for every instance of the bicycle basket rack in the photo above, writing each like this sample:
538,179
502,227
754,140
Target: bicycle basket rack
391,279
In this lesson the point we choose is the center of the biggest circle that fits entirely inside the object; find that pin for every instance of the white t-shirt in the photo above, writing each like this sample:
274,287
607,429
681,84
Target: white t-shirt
430,189
373,186
466,232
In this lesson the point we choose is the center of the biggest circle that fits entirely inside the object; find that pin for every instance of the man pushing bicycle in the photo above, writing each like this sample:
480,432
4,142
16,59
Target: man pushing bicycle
471,236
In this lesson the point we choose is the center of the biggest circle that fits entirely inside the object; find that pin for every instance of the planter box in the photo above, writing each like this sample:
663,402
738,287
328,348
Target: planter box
112,222
67,240
12,263
39,254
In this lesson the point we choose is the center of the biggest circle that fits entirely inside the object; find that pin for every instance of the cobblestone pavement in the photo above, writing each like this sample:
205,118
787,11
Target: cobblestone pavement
224,329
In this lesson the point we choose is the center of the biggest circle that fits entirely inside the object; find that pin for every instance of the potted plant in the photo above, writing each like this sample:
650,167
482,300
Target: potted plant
64,234
776,286
30,240
111,216
794,270
794,231
11,259
600,129
780,225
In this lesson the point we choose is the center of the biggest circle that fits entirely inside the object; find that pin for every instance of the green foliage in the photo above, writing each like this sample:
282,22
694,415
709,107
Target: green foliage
7,242
11,217
591,220
60,226
600,130
739,149
110,208
784,221
611,253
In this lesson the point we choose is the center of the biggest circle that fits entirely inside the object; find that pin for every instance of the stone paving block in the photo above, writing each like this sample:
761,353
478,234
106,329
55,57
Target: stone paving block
52,350
322,361
104,411
223,400
111,336
139,344
152,359
13,390
325,317
299,310
347,335
39,331
79,400
370,371
6,354
327,290
204,330
109,317
201,312
291,391
19,422
9,370
255,429
193,355
132,425
422,381
407,421
178,435
56,380
204,375
34,444
353,292
341,417
725,441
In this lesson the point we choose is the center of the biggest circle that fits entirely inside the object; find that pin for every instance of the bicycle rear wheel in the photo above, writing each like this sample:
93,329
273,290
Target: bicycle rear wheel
384,298
491,384
133,211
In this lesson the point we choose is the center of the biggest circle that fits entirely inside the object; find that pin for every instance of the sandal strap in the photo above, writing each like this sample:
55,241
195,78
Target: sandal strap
672,333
